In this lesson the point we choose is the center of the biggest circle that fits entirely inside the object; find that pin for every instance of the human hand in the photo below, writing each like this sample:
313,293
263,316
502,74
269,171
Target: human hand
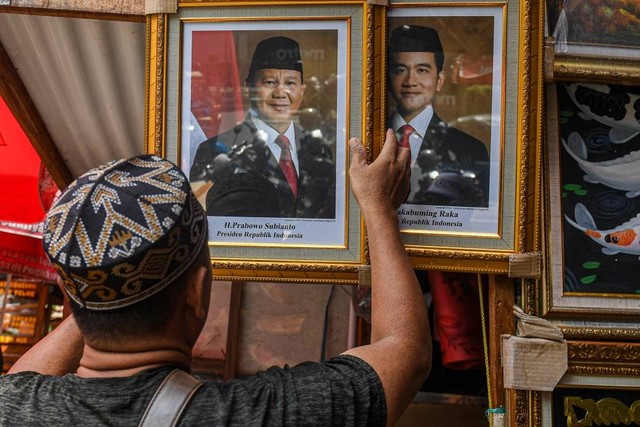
384,183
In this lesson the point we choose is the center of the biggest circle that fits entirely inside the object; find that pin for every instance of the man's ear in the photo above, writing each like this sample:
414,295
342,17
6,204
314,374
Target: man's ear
249,93
198,292
440,82
65,297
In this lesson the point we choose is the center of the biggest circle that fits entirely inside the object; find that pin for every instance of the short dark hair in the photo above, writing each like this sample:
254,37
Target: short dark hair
150,314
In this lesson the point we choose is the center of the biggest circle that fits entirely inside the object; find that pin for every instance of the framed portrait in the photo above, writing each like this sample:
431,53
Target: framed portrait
256,103
459,78
592,207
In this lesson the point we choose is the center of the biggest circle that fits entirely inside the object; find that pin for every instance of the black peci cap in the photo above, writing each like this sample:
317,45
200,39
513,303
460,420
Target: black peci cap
281,53
413,38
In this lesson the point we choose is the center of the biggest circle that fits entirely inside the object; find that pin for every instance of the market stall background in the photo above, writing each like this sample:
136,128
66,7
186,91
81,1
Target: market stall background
26,275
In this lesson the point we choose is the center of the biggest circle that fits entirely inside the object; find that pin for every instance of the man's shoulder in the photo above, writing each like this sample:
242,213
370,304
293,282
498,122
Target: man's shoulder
345,390
97,401
23,376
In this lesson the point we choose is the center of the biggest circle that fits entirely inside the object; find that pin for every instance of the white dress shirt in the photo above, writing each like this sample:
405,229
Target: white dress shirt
269,135
420,123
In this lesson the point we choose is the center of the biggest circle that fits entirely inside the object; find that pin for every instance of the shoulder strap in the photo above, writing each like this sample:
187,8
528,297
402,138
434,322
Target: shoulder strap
170,399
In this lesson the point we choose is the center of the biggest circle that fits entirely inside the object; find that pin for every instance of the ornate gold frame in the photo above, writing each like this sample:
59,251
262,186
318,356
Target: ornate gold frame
591,68
246,262
587,60
565,67
580,316
594,365
520,164
520,144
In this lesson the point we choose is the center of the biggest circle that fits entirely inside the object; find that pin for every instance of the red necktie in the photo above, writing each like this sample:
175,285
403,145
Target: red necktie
286,164
405,133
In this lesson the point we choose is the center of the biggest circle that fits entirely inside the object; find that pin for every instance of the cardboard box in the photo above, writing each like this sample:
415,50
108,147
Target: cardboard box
533,363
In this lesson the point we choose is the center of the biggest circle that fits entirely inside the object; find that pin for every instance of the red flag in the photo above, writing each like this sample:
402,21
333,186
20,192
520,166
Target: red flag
216,93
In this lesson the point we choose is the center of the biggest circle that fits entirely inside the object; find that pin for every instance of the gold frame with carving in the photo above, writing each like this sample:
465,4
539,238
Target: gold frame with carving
590,68
592,365
517,155
603,315
571,58
338,262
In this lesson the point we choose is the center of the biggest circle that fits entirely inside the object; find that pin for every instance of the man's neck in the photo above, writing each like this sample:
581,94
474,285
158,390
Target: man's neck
419,122
279,128
98,363
408,116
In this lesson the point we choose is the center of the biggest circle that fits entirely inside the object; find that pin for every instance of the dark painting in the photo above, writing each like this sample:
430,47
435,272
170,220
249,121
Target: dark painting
600,177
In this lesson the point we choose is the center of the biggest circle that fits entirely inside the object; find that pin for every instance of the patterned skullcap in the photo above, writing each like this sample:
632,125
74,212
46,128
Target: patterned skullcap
123,231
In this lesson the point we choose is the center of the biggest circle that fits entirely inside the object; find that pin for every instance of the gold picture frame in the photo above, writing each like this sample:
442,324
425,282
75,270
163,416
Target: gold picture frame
503,37
586,289
299,247
590,68
600,383
594,41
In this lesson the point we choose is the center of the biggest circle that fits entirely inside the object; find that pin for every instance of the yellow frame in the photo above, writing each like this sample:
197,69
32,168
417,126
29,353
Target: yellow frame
580,315
592,365
519,183
591,68
250,262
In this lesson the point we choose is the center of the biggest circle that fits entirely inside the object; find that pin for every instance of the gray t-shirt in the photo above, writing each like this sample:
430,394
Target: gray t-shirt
344,391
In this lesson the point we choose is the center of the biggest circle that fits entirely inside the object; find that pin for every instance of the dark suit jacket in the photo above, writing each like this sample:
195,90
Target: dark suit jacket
462,162
253,184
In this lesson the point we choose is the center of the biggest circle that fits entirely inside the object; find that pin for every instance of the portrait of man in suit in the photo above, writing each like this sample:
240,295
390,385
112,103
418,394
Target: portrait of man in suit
448,166
267,165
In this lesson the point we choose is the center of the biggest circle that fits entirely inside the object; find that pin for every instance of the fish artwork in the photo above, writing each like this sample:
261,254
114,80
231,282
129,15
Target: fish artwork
599,187
610,106
622,173
623,239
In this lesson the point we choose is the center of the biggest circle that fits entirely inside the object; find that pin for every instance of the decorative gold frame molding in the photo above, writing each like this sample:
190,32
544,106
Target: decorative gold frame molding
606,360
473,254
337,264
596,316
525,171
564,67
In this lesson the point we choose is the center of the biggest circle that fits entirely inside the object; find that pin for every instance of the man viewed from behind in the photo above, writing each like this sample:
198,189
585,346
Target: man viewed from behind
448,166
128,240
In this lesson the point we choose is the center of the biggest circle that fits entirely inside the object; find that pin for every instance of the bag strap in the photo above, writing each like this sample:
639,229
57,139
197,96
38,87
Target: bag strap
170,399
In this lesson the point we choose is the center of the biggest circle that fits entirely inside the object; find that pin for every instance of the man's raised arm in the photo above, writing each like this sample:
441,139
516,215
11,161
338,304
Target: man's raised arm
400,349
58,353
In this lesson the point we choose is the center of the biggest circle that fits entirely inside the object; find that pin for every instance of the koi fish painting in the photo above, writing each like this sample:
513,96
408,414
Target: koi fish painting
622,239
610,105
621,173
599,149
